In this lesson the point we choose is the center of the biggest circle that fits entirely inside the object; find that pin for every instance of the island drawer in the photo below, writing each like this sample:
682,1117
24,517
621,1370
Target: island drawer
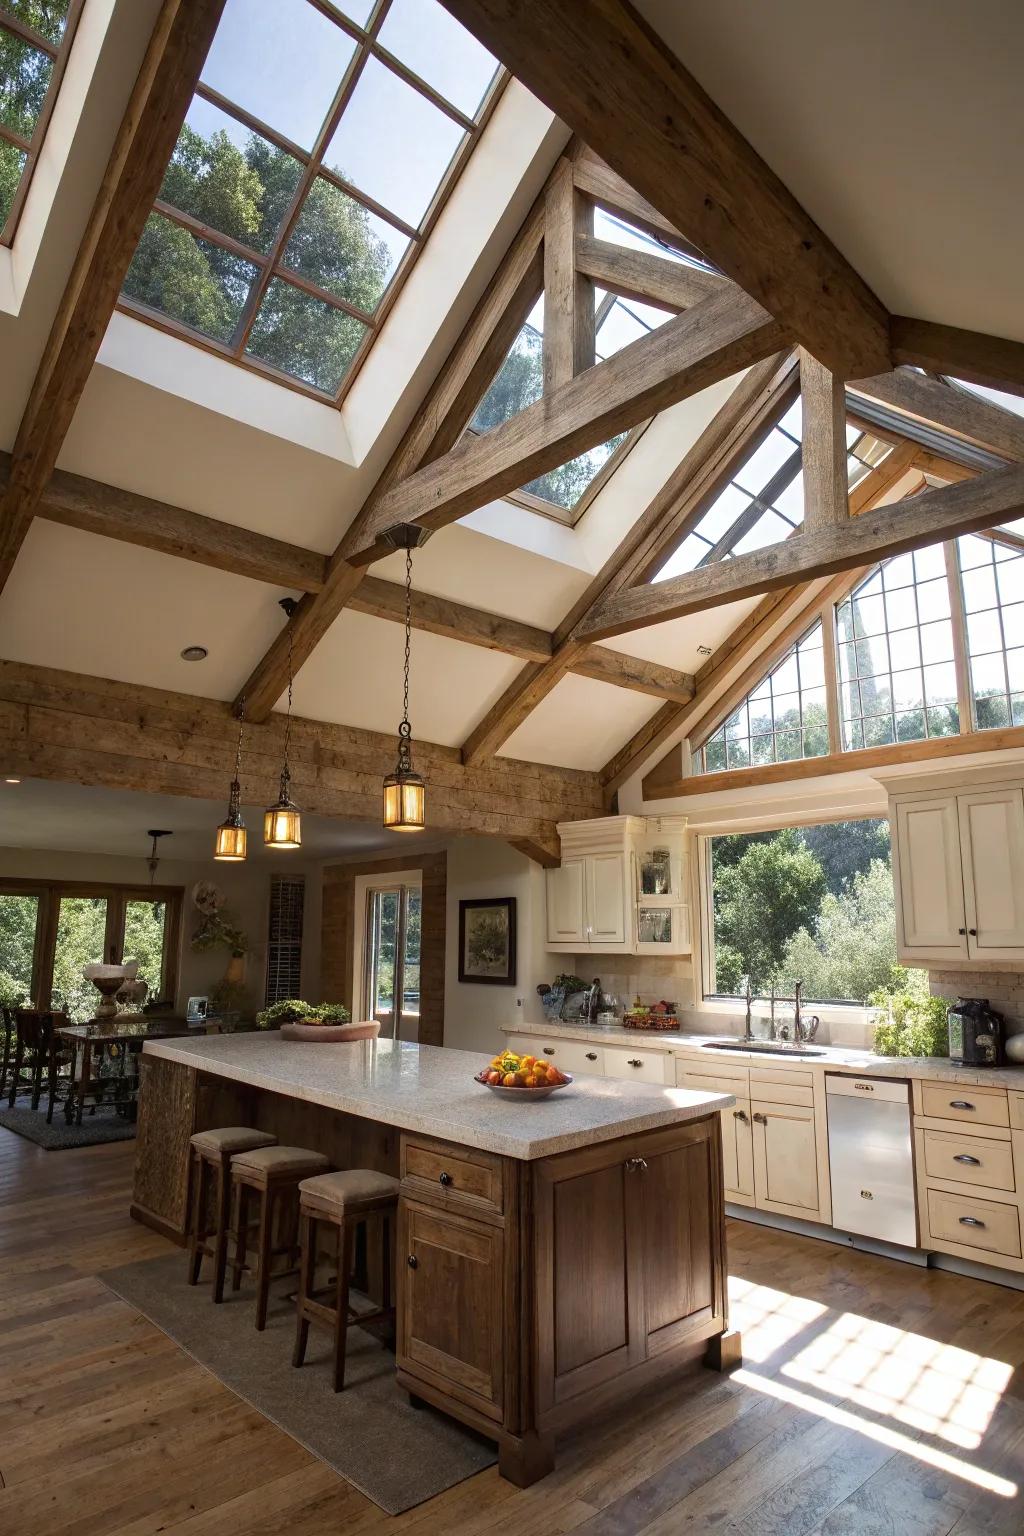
456,1177
969,1159
965,1102
638,1064
974,1223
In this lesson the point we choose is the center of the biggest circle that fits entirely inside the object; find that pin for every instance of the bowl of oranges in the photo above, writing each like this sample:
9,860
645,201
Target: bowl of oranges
522,1077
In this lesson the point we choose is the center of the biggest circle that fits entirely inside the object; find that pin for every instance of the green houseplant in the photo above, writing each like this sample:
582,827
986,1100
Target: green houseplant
915,1024
292,1010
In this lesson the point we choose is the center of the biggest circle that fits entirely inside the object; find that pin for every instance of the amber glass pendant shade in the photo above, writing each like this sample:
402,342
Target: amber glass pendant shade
231,839
282,823
405,802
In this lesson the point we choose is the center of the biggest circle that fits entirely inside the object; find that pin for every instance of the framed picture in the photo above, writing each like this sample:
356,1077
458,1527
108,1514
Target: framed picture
487,941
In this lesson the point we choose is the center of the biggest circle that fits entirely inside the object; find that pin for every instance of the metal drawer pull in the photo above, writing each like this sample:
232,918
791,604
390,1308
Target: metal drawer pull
549,1050
965,1157
636,1164
960,1104
740,1114
760,1119
444,1178
591,1055
971,1221
412,1261
634,1062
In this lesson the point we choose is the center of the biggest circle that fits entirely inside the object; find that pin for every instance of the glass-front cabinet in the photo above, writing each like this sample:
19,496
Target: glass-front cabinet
662,930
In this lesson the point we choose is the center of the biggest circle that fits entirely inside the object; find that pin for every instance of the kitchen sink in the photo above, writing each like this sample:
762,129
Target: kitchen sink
762,1047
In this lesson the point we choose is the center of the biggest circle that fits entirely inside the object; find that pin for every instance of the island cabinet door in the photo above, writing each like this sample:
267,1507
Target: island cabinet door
450,1286
683,1285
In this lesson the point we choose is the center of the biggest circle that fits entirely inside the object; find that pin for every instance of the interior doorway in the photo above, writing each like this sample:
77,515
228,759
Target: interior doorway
387,980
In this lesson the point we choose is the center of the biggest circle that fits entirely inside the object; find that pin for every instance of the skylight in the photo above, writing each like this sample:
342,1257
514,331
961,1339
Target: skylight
315,157
35,40
764,502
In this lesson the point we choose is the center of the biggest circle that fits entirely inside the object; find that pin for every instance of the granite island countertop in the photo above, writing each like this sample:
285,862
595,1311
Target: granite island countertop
833,1058
430,1089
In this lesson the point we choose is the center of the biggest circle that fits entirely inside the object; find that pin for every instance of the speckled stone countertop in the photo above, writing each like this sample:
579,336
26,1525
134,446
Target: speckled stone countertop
834,1058
429,1089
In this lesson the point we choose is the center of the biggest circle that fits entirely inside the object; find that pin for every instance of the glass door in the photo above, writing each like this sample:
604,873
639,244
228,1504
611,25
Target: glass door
83,935
145,940
391,982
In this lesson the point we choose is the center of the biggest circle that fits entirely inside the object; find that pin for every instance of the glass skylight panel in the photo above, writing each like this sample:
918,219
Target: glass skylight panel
35,38
784,718
320,149
201,285
992,580
895,648
436,47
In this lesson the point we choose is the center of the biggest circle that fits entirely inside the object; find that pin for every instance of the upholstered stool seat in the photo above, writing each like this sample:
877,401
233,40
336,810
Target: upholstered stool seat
211,1152
272,1176
342,1200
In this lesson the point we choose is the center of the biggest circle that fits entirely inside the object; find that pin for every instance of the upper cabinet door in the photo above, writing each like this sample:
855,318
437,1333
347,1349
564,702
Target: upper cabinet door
565,903
606,899
992,844
929,884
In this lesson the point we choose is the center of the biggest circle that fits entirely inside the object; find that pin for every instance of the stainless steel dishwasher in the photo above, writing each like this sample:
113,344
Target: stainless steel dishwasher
871,1157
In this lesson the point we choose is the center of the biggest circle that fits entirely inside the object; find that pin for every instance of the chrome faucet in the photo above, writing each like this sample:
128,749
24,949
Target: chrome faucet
802,1031
748,1033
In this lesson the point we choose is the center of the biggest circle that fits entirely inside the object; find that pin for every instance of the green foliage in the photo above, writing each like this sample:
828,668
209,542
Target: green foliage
844,848
12,992
774,889
11,162
81,932
915,1024
17,940
568,983
293,1010
333,1013
850,949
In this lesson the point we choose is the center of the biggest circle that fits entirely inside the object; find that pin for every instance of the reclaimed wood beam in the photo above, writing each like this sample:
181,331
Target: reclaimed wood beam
971,355
706,344
145,141
596,179
638,275
823,440
929,518
979,423
569,315
606,73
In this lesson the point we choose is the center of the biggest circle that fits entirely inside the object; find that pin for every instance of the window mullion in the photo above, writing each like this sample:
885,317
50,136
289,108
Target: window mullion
831,665
965,701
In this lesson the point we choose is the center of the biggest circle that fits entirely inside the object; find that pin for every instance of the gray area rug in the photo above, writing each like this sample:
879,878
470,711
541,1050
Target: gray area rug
397,1455
59,1136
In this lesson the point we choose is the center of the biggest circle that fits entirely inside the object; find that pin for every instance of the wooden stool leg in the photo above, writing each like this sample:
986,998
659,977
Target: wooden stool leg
241,1233
37,1078
307,1268
263,1256
195,1253
220,1250
341,1316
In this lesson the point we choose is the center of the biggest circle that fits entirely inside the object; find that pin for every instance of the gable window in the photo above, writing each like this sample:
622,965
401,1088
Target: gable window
35,40
992,582
785,717
317,153
895,646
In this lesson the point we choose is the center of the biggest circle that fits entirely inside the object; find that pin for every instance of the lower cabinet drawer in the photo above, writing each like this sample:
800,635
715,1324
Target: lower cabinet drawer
642,1065
971,1105
570,1055
433,1171
712,1082
974,1223
969,1160
776,1087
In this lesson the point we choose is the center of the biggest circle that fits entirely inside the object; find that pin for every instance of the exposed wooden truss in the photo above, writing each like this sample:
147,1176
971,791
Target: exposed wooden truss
981,359
823,443
177,48
85,730
977,422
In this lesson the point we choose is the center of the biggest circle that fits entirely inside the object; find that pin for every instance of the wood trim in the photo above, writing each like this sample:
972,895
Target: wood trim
965,703
607,74
145,141
863,759
957,411
831,662
597,180
646,278
989,360
926,519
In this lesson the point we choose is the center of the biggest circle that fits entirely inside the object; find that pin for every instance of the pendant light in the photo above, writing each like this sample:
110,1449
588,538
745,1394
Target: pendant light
405,793
282,823
231,836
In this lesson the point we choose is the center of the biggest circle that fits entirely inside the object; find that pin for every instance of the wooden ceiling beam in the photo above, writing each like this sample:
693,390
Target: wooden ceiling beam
717,338
569,316
979,423
971,355
649,279
823,443
935,515
145,141
596,179
605,72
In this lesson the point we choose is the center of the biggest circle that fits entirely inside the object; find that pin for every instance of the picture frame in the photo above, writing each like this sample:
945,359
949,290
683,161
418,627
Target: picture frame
487,941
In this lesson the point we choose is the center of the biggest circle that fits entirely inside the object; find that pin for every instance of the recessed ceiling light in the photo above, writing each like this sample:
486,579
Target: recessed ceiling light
12,781
194,653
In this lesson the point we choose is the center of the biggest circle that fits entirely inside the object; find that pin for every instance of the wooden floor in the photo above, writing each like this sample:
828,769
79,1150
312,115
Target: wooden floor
874,1398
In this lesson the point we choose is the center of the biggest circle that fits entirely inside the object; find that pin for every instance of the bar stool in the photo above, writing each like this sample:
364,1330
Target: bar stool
211,1153
273,1174
341,1200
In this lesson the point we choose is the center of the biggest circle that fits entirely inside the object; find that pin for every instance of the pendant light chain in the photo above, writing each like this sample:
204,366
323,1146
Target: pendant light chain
405,729
285,773
236,784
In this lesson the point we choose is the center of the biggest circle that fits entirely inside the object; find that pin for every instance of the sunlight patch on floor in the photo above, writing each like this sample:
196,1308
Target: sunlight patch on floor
767,1318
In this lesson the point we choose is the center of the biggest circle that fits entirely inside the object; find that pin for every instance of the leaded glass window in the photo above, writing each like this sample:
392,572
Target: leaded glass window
784,718
992,581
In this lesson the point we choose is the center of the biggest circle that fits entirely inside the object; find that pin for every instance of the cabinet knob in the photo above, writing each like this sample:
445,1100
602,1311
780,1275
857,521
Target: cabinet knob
965,1157
636,1164
961,931
549,1050
634,1062
960,1104
412,1261
973,932
760,1119
444,1178
740,1114
971,1221
591,1055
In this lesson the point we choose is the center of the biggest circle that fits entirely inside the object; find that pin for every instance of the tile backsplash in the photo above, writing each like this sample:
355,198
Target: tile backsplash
648,977
1004,990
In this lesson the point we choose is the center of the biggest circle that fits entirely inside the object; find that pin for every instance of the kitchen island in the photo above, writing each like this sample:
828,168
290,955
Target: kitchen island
552,1257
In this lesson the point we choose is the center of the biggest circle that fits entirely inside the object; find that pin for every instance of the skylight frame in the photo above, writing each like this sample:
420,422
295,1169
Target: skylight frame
59,53
271,264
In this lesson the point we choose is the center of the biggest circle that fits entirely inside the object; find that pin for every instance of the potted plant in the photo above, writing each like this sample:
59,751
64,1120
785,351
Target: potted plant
291,1010
326,1022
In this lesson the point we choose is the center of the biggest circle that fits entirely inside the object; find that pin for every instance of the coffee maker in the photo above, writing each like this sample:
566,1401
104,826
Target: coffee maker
975,1033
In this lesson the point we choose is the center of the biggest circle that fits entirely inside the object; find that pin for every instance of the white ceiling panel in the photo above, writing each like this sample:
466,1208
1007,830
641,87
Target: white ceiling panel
87,604
581,724
678,643
354,677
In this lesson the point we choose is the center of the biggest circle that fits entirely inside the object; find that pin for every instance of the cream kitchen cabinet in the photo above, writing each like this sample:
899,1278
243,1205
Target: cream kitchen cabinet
958,867
785,1159
587,903
619,887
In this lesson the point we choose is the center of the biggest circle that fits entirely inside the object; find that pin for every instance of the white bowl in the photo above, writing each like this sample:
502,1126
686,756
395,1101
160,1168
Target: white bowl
524,1093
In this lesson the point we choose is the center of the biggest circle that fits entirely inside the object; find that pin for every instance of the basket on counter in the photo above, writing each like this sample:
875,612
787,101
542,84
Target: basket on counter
637,1018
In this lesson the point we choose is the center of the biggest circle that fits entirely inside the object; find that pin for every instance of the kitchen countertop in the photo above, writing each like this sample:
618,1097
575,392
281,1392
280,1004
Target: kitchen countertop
429,1089
834,1058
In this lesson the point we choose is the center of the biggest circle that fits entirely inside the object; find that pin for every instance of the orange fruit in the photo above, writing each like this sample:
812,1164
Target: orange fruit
509,1080
531,1080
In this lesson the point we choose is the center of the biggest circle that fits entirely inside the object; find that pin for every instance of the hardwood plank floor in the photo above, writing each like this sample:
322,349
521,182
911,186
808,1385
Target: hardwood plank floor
875,1399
